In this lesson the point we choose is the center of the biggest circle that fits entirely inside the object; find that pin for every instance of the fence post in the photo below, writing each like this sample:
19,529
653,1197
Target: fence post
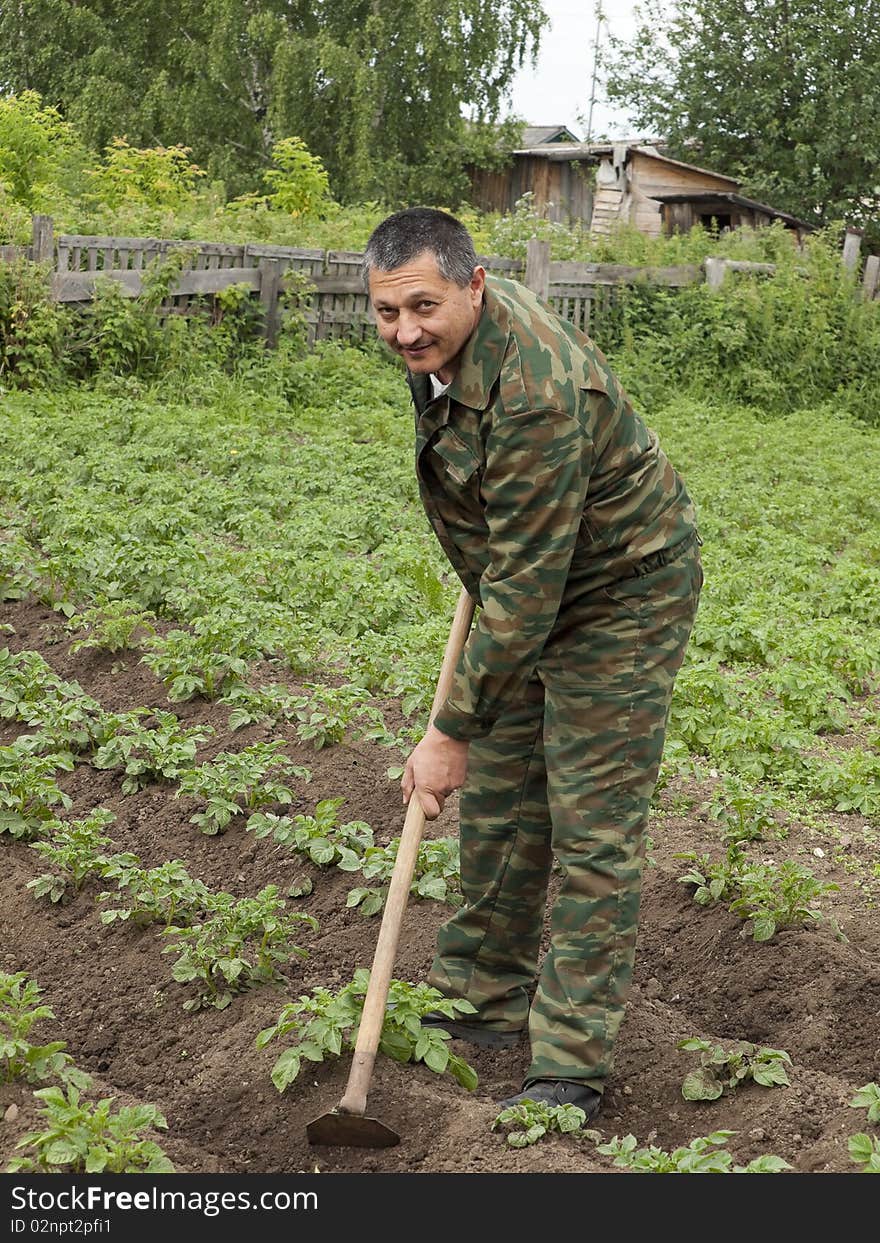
852,245
43,240
871,279
716,270
537,275
270,288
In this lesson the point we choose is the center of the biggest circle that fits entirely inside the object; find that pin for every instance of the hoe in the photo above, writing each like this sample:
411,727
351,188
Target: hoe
347,1124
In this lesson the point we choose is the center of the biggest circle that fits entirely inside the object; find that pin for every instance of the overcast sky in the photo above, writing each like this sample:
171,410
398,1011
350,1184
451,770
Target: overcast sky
558,91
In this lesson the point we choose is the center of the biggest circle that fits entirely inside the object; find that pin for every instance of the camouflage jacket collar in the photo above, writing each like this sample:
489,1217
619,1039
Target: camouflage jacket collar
483,354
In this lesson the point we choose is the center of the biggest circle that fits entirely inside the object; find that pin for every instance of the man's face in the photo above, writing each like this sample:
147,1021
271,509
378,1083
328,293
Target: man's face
423,317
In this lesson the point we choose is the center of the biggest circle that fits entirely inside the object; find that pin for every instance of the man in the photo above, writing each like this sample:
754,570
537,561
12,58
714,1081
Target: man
563,518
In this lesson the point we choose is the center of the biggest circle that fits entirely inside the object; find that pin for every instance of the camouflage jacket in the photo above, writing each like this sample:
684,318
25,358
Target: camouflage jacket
541,484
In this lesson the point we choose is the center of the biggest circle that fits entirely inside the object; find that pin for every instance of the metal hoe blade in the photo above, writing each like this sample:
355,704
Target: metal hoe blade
342,1130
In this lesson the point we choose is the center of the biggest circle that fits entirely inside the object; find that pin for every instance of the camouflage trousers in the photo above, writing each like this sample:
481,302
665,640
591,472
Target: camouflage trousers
569,773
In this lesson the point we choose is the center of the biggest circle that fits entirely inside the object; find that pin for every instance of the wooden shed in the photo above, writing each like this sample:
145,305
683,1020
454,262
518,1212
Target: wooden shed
543,165
606,184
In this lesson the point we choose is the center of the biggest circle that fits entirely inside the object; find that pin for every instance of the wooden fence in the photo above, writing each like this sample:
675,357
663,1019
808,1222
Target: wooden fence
336,305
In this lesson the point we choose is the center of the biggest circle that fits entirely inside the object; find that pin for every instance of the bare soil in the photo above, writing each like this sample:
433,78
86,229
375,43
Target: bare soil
806,991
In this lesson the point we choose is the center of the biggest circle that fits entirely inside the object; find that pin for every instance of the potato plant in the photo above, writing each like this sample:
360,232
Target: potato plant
865,1151
319,837
324,1024
705,1155
238,781
192,664
73,850
239,945
724,1070
166,894
31,692
146,752
112,626
20,1010
83,1139
530,1121
436,875
768,896
28,793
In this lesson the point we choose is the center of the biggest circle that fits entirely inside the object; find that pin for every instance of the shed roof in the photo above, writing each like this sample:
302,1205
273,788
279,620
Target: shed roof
538,135
709,198
594,151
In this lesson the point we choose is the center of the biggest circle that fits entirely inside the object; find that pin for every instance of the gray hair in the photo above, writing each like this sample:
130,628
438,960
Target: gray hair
405,235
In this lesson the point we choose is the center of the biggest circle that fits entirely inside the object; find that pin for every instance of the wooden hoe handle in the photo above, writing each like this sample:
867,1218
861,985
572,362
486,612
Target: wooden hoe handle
355,1099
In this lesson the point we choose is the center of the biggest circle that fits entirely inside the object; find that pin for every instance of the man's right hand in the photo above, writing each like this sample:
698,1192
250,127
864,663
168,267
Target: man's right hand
436,767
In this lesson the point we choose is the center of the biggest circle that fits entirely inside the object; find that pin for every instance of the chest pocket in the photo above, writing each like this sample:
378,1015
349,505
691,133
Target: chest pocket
459,460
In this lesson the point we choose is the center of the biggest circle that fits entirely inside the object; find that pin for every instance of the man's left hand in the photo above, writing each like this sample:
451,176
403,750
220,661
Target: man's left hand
435,768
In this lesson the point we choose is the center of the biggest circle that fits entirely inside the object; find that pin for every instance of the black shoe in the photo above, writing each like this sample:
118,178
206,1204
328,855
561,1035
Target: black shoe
476,1033
558,1092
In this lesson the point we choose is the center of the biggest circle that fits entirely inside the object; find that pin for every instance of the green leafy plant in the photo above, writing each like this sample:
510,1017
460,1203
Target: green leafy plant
166,894
713,880
240,944
774,897
704,1155
237,781
156,176
299,183
865,1151
30,691
112,626
20,1010
723,1070
530,1121
437,874
28,794
149,752
868,1097
73,851
768,896
744,813
192,664
254,705
324,1024
79,1138
320,837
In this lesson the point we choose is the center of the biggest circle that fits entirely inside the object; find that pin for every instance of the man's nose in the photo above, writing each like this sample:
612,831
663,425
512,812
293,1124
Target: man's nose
408,329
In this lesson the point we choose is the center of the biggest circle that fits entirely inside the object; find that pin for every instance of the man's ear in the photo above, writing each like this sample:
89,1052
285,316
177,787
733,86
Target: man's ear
477,285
